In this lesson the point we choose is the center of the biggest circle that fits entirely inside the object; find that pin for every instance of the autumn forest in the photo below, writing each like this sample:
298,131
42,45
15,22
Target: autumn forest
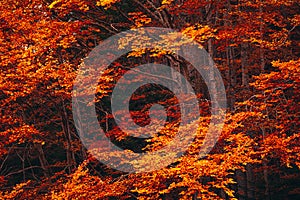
217,119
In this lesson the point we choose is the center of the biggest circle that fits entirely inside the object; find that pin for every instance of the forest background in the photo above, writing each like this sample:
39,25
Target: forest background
255,46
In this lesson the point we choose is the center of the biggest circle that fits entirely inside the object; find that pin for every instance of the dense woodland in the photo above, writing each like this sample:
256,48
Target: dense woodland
255,46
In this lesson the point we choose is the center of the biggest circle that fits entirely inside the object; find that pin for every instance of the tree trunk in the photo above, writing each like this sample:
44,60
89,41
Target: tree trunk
42,160
67,133
241,185
261,51
250,182
244,64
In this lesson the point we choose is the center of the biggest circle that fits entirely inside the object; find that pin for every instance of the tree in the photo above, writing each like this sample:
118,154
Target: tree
254,45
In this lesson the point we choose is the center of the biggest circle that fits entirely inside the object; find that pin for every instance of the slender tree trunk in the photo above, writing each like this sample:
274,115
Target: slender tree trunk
241,185
244,59
211,75
228,58
250,182
261,51
232,72
67,133
42,159
175,69
265,171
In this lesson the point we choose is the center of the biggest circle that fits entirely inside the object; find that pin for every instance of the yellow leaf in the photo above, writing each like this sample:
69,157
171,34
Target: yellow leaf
54,3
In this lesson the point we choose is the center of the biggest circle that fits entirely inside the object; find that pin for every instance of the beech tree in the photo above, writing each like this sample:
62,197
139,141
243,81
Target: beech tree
254,44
